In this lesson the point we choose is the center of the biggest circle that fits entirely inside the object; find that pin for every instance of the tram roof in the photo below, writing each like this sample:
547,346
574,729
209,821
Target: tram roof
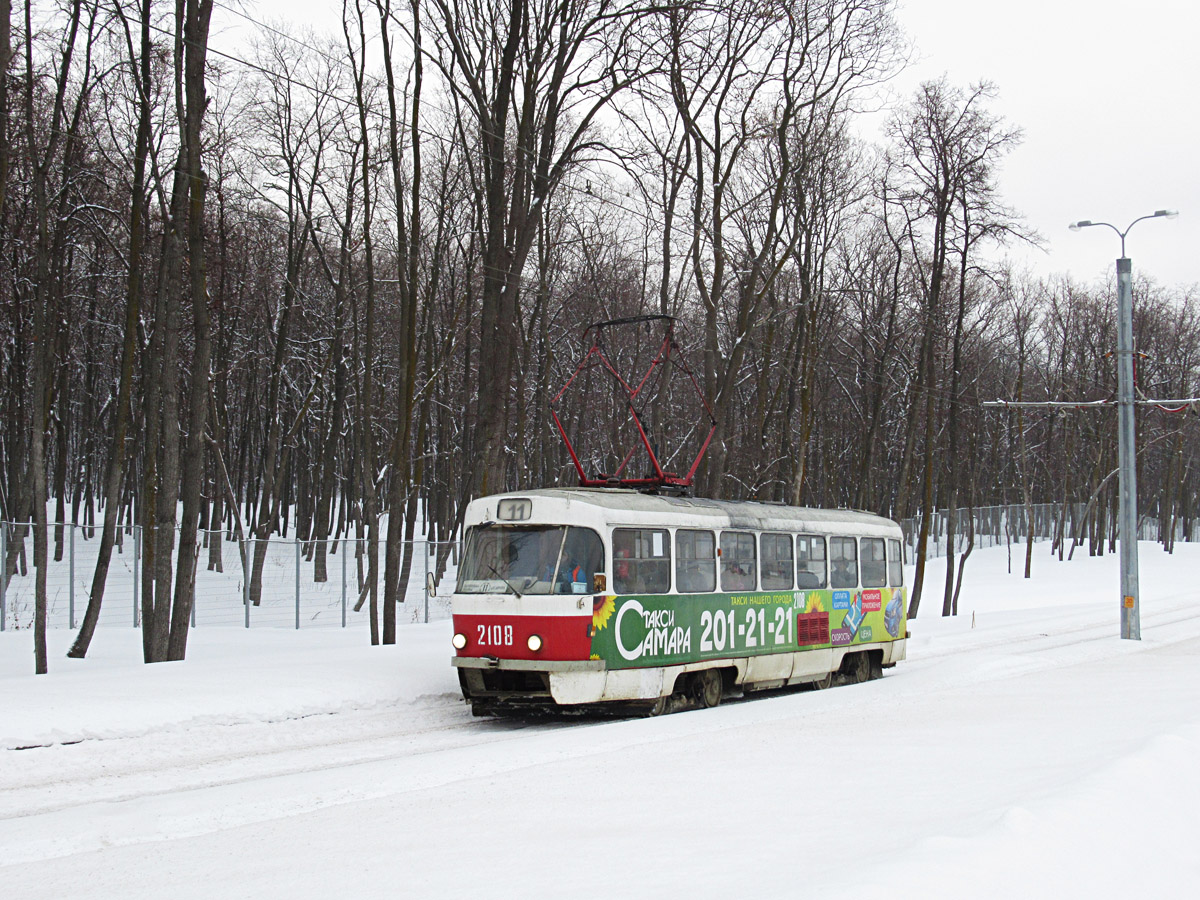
744,513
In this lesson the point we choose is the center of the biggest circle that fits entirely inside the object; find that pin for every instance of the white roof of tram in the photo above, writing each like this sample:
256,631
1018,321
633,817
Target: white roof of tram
617,506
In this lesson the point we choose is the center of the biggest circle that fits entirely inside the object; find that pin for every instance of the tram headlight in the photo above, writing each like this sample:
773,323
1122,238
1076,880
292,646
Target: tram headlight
459,641
534,642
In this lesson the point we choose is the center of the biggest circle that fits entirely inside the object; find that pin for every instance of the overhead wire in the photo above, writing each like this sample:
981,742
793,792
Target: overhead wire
425,101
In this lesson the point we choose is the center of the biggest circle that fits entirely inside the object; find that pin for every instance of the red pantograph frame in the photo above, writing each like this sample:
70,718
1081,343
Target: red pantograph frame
664,356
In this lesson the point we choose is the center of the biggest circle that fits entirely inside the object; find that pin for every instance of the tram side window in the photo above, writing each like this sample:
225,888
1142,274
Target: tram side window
874,562
776,562
843,560
738,563
895,565
582,558
695,561
810,561
641,561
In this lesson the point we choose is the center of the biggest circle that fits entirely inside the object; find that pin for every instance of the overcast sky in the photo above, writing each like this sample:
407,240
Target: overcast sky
1105,94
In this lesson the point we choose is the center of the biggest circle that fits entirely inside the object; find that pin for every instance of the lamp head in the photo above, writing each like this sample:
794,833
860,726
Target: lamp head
1082,223
1166,213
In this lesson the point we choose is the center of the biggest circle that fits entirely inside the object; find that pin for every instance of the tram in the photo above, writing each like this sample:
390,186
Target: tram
585,597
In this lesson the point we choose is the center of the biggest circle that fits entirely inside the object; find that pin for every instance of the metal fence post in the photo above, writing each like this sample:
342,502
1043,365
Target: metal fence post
71,568
297,583
247,565
342,550
137,570
426,582
3,573
194,594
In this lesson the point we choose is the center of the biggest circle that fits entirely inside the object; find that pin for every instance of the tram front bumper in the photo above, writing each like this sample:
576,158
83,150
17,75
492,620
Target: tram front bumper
563,682
528,665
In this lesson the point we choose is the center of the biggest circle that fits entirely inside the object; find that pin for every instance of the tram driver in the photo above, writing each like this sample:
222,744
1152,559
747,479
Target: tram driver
582,558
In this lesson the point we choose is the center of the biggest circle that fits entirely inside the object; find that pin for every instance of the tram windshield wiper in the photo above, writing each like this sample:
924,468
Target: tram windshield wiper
508,584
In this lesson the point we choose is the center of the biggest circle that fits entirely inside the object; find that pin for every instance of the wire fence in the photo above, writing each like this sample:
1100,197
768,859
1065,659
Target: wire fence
289,594
1068,523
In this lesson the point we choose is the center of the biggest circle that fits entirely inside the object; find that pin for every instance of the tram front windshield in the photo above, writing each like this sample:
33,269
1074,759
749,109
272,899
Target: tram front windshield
536,559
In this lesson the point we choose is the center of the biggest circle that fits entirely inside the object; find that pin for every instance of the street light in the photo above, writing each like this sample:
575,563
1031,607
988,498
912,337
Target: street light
1131,627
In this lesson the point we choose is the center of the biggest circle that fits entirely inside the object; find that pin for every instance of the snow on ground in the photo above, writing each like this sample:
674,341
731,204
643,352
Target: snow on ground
1021,751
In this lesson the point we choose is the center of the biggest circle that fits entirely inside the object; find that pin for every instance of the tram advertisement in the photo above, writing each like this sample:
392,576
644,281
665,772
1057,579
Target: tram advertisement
653,630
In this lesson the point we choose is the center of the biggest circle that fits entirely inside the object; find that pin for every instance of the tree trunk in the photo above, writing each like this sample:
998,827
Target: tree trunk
115,469
198,14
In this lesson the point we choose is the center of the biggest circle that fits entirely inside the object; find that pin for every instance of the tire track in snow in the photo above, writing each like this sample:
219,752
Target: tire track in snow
115,770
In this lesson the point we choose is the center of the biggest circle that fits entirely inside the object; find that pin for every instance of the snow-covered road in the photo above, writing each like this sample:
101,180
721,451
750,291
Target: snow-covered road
1032,755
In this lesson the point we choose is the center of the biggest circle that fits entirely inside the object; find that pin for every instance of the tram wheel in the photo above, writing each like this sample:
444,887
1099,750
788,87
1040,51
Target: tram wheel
658,707
707,688
824,682
857,667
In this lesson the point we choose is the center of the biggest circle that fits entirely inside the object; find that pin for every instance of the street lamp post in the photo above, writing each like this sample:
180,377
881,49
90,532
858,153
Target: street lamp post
1127,517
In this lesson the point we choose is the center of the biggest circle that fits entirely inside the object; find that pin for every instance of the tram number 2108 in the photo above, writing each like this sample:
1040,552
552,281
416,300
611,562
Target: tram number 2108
721,628
495,635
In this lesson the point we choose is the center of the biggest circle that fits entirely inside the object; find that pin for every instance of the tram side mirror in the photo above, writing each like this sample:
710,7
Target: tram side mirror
599,583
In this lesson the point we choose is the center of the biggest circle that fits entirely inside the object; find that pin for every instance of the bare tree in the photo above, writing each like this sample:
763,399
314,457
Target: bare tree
528,79
44,154
756,90
140,75
198,14
947,145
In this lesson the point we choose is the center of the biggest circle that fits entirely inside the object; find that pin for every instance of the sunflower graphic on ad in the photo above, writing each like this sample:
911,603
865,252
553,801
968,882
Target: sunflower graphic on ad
602,610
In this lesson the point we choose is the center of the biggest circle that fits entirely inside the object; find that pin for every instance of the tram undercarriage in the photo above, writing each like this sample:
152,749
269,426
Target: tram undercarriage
497,686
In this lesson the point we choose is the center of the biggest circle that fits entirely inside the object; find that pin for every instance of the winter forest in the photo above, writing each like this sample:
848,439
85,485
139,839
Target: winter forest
326,284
